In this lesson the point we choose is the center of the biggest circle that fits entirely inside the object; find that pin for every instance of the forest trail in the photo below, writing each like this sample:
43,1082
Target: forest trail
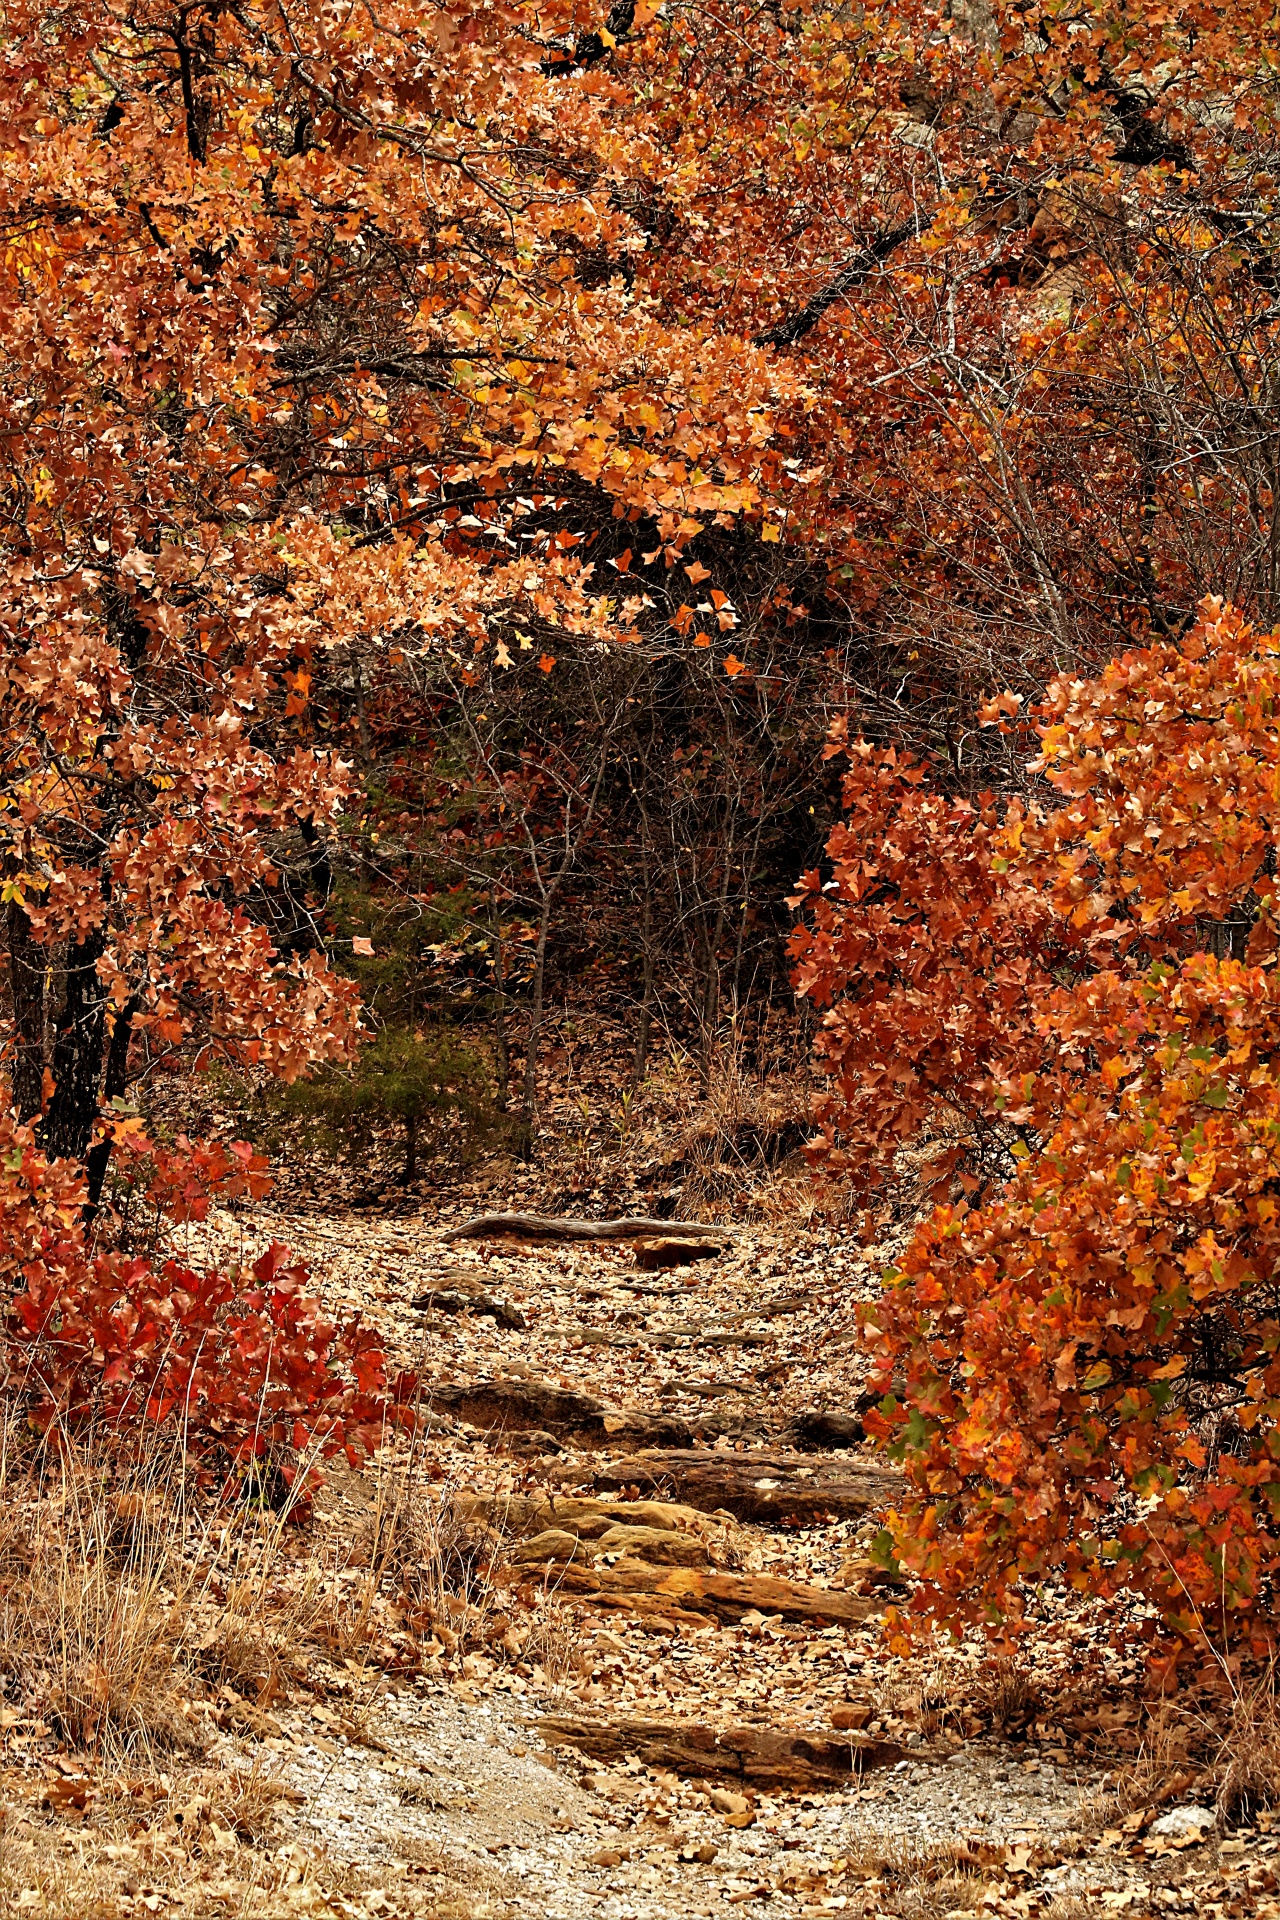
580,1783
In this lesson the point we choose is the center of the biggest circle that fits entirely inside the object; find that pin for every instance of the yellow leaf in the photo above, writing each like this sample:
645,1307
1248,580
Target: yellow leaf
770,532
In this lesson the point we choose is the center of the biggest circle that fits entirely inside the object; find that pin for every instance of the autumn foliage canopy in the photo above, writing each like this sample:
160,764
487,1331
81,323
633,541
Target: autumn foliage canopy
569,413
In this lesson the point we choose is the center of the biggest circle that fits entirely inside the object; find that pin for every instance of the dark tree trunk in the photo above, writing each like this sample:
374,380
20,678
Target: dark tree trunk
114,1087
317,860
501,1049
78,1048
529,1103
26,985
640,1064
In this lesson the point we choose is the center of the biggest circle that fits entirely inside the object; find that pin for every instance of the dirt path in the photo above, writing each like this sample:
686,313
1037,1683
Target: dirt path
465,1796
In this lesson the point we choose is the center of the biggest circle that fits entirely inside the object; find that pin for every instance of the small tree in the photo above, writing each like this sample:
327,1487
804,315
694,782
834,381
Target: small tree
1092,1358
417,1072
424,1080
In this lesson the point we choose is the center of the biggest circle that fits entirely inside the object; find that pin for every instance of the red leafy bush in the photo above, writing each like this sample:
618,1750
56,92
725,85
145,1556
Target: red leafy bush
241,1362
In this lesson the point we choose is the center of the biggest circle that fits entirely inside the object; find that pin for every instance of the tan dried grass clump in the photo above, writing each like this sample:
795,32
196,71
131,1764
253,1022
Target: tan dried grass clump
94,1607
1246,1766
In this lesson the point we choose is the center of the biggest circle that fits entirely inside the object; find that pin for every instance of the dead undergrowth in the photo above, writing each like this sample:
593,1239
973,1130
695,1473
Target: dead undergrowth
141,1616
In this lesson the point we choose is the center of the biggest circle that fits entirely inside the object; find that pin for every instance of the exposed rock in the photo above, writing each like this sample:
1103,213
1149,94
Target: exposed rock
724,1596
820,1430
556,1532
850,1718
747,1754
757,1486
652,1256
550,1546
658,1546
655,1546
513,1403
1182,1821
453,1296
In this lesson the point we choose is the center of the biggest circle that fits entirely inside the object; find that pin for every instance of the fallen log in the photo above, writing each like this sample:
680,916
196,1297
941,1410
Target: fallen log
755,1486
755,1755
538,1226
513,1404
723,1596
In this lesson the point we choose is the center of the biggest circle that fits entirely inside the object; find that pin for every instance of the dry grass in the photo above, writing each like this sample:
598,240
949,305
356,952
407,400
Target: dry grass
1009,1693
189,1865
912,1882
1235,1756
1160,1768
93,1610
448,1569
126,1593
740,1145
1246,1766
136,1613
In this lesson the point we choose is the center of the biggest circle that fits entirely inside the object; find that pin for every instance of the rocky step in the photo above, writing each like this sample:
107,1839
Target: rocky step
754,1486
514,1404
750,1755
727,1597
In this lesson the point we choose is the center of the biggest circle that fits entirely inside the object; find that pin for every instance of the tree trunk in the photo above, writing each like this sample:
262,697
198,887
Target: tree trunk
364,854
501,1050
115,1086
529,1103
645,1025
78,1047
26,984
318,861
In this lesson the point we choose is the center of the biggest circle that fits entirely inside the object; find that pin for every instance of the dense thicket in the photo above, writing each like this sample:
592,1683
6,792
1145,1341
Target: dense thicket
460,462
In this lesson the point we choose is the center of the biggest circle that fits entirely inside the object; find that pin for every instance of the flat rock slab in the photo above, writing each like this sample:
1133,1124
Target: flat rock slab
749,1754
514,1404
723,1596
524,1514
656,1546
756,1486
653,1256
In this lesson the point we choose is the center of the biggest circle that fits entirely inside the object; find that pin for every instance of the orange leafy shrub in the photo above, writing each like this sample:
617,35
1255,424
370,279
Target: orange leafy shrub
1092,1357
